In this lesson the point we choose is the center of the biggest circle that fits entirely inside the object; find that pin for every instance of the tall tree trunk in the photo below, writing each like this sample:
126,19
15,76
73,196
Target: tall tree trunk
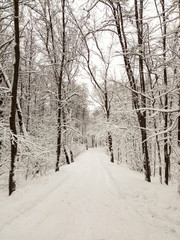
142,117
12,184
60,80
166,144
29,81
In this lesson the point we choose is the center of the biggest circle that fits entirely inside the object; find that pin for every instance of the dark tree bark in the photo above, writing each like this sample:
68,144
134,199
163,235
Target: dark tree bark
72,157
65,136
110,147
19,113
118,160
83,126
53,56
66,155
86,141
60,80
12,184
107,107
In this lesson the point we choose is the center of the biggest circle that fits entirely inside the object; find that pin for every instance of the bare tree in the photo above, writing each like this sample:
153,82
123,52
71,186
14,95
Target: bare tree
60,80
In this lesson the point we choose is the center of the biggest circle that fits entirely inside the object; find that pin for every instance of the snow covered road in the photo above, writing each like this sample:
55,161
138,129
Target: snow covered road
91,199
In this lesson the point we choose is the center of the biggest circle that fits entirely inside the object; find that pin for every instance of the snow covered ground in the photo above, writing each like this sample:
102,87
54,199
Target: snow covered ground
92,199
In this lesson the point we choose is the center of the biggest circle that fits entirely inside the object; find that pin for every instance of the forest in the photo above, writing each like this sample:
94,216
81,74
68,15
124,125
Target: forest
76,75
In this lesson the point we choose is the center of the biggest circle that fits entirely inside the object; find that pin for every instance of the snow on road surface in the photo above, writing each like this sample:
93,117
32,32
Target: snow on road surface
91,199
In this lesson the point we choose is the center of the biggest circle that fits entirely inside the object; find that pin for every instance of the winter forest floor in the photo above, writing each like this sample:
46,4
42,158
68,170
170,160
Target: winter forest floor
92,199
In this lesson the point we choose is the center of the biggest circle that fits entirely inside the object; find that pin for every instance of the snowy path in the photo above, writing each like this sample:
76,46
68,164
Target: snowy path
91,199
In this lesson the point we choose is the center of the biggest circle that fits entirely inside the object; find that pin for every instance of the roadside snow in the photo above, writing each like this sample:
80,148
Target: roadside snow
91,199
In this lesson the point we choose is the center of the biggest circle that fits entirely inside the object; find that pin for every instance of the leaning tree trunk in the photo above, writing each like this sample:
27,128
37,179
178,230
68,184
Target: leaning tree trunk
60,80
12,184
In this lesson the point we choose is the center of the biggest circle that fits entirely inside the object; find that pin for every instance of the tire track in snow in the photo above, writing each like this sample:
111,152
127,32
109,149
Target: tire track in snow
150,217
32,205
